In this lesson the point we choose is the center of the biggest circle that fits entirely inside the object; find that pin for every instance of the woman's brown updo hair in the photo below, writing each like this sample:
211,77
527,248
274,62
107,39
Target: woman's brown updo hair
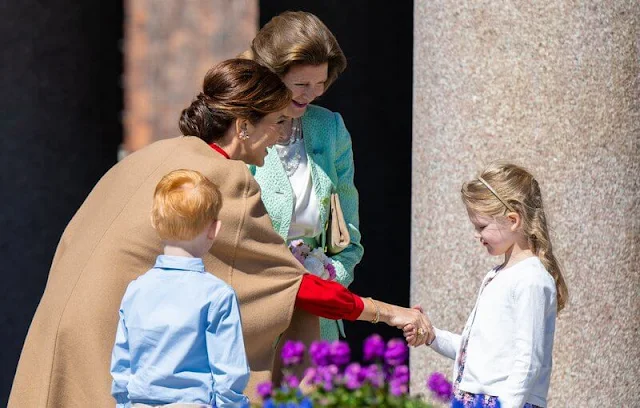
235,88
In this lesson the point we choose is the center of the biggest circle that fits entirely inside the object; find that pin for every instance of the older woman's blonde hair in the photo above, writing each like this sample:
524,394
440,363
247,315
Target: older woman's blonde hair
297,38
184,203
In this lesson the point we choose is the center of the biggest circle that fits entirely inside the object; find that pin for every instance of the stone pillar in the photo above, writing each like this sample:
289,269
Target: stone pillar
554,86
169,46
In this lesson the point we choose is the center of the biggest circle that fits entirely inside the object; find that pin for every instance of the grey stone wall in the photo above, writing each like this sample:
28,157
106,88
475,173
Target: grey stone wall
554,86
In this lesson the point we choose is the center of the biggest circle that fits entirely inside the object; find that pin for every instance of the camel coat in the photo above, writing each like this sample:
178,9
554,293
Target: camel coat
109,242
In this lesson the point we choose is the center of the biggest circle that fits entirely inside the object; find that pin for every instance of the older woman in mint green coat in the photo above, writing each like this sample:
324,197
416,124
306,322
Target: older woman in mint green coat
327,145
313,159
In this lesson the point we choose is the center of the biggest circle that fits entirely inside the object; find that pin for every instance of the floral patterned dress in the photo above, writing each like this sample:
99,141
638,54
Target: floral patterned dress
468,399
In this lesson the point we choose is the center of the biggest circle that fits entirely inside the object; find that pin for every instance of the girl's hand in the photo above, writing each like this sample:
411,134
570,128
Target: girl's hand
412,334
415,325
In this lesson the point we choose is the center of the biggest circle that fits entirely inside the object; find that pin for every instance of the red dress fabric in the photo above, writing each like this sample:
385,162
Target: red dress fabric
328,299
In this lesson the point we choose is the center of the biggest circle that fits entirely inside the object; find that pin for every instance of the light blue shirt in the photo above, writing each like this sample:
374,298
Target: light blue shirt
179,339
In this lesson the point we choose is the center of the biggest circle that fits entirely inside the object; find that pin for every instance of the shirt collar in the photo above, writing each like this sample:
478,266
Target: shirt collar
180,263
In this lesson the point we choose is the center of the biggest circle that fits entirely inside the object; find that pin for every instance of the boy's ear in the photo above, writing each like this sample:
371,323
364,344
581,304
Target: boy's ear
515,220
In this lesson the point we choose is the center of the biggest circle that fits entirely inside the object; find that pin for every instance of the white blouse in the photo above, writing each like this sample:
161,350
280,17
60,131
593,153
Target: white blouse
511,330
305,221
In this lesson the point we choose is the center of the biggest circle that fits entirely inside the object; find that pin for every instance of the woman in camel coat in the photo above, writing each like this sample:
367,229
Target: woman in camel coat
110,241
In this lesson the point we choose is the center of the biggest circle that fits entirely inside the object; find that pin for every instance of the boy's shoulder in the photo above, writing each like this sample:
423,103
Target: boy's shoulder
207,279
216,282
139,280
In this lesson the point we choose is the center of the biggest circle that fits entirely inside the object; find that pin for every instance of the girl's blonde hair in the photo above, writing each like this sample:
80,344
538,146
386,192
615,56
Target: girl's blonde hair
296,38
514,188
184,203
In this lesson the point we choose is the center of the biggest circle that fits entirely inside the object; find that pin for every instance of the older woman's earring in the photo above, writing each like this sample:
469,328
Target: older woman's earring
244,135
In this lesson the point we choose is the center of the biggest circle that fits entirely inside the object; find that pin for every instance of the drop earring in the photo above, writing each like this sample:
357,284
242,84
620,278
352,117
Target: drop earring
244,135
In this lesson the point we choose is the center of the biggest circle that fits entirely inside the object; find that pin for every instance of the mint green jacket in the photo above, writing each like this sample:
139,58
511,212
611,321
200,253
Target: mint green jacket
328,146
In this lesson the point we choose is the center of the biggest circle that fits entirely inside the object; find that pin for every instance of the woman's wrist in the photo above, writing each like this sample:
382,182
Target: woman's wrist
386,312
376,308
375,311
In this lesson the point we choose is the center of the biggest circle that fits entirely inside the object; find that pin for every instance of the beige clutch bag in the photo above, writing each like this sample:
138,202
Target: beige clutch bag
337,233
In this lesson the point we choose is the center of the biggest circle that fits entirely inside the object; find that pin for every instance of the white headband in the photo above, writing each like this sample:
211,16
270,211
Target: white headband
510,208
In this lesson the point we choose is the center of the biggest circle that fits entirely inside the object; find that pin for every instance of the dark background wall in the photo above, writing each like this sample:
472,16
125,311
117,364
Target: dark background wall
59,132
374,96
60,127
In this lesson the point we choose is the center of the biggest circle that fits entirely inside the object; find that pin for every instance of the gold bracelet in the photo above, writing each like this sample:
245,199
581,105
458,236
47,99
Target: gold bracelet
376,319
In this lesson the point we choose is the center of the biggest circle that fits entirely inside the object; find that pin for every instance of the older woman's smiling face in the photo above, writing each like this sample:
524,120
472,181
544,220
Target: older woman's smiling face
306,83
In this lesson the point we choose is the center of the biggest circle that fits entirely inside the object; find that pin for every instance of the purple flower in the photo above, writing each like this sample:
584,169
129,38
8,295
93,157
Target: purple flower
323,376
396,352
373,348
310,375
299,257
300,250
291,381
292,352
340,353
353,376
440,387
320,352
400,374
326,376
331,270
398,388
374,375
264,389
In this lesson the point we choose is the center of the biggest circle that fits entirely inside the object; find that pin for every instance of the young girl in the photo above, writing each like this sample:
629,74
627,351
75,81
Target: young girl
505,349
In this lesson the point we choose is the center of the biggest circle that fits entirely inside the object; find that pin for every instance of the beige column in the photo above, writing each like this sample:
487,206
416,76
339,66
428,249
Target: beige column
552,85
168,47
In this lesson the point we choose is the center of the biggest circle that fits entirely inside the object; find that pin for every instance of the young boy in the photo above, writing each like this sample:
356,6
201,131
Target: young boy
179,340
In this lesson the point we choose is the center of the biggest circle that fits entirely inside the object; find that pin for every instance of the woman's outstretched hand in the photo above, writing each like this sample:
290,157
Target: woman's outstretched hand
413,334
415,325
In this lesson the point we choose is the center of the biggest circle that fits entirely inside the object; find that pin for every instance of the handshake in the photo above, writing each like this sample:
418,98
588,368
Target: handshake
414,323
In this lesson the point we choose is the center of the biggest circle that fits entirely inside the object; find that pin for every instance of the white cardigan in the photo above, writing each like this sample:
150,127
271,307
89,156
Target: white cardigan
511,331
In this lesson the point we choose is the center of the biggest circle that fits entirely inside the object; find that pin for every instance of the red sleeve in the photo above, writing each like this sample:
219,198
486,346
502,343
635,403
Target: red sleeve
328,299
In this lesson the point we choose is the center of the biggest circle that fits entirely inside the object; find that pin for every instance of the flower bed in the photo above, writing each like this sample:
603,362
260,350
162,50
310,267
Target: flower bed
334,380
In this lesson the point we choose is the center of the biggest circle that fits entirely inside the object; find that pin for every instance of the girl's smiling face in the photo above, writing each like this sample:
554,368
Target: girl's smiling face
497,234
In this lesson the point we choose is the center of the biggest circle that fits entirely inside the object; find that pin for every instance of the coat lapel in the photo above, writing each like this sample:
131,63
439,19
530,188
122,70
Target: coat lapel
314,143
277,195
